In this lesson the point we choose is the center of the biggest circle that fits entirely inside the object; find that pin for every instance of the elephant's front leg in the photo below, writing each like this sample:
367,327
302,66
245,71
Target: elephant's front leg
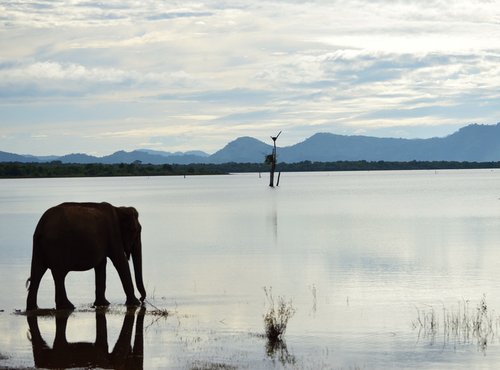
100,284
121,265
62,301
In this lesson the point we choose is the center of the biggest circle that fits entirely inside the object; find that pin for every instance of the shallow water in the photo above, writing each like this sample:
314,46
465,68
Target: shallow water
362,255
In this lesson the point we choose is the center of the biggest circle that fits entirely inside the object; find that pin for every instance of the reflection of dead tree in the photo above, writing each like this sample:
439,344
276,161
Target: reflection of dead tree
271,159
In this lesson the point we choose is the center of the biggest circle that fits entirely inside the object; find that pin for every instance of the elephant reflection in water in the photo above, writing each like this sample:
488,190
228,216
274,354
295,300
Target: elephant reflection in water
84,354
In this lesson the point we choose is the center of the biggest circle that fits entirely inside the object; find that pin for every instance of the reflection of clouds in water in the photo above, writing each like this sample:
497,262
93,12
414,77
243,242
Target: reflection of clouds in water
384,242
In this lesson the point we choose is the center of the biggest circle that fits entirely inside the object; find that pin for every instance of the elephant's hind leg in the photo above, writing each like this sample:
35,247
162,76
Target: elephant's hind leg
100,284
37,272
62,301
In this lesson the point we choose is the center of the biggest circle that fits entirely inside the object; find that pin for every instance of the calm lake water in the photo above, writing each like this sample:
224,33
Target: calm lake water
385,270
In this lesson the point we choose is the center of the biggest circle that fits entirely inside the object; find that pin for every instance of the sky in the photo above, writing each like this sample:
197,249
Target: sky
100,76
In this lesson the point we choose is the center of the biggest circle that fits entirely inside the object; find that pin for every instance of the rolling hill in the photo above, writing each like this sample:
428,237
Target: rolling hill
473,143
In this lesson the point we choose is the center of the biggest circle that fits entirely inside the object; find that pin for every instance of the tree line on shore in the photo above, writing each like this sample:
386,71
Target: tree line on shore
59,169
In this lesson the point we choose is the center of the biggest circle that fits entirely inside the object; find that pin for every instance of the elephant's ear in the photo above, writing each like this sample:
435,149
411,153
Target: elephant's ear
130,228
129,217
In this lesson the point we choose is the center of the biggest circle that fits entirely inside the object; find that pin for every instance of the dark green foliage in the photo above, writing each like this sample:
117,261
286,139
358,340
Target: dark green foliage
381,166
59,169
269,159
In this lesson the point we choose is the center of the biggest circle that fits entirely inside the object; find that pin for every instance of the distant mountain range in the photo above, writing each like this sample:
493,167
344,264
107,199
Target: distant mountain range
473,143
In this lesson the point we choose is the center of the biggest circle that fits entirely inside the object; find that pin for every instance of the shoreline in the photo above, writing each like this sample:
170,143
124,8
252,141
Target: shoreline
57,169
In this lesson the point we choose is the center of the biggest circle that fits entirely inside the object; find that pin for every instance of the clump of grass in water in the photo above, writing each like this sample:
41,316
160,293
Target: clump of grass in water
275,323
212,366
426,322
162,312
276,318
463,325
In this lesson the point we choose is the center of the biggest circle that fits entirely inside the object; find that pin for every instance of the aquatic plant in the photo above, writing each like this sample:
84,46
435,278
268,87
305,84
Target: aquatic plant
277,317
426,322
277,349
162,312
461,324
212,366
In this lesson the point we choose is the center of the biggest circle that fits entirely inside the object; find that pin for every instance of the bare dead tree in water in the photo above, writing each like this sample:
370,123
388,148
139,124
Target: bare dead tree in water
272,159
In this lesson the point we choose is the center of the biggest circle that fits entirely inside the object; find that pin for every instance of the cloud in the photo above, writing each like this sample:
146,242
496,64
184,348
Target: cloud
222,68
41,14
49,78
230,96
56,71
178,14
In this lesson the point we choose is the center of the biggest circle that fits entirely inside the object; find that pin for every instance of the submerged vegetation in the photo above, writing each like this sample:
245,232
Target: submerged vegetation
199,365
277,316
276,320
59,169
162,312
459,325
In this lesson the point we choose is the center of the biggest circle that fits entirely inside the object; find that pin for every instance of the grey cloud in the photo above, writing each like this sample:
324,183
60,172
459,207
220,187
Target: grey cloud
252,116
103,5
237,95
43,78
318,63
466,106
330,70
42,5
15,91
173,15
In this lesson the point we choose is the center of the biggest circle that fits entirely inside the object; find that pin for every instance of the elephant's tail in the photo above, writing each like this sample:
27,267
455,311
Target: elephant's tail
28,283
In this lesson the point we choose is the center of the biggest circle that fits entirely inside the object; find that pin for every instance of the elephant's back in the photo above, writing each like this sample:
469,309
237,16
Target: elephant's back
76,215
73,232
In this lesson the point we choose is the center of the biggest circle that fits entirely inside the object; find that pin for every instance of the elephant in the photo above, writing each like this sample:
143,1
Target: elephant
86,355
79,237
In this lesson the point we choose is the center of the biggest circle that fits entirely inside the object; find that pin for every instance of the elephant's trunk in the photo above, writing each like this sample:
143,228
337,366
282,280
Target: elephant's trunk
137,259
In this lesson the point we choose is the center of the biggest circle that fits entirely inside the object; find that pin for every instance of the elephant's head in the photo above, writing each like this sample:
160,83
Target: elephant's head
131,236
